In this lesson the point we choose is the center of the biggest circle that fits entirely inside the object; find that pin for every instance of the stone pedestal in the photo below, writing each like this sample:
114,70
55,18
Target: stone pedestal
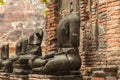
18,77
111,73
52,77
4,76
98,75
111,78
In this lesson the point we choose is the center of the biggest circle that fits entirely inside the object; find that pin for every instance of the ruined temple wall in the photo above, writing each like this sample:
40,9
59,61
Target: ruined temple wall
52,21
113,34
102,23
88,38
109,32
100,34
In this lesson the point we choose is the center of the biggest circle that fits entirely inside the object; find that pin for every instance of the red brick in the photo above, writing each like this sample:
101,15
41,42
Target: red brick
102,10
98,78
117,3
116,13
109,1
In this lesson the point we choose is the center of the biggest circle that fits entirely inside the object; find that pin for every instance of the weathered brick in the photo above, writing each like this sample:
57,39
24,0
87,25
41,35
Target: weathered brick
116,3
49,77
98,78
108,18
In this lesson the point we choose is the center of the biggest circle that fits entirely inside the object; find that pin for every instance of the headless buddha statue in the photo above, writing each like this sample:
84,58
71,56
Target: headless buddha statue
26,49
67,58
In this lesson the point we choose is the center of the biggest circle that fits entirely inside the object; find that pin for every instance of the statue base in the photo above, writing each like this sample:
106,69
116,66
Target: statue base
4,76
53,77
18,77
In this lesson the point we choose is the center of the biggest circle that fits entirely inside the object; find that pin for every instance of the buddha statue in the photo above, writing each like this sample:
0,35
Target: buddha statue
6,62
26,49
67,58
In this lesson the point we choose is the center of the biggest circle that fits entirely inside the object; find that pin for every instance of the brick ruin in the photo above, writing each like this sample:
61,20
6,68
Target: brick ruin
52,21
99,37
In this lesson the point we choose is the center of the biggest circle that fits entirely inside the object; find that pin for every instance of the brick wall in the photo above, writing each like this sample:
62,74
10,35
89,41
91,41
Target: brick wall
52,21
113,33
17,11
100,34
88,40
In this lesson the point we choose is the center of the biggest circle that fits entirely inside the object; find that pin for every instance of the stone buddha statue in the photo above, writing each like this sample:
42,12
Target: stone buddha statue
27,49
6,62
67,58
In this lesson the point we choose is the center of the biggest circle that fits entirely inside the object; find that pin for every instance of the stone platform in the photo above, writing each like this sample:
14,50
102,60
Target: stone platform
5,76
18,77
51,77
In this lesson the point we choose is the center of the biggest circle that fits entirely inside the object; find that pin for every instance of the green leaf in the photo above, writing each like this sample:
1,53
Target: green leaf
45,1
45,13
